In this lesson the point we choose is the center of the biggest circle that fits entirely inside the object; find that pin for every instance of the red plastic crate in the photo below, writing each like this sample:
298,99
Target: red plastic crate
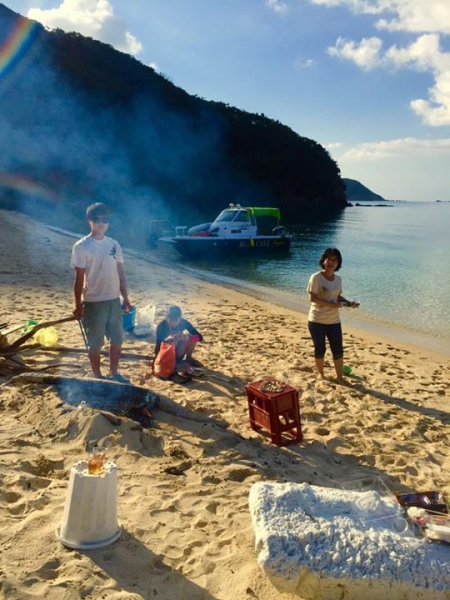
276,413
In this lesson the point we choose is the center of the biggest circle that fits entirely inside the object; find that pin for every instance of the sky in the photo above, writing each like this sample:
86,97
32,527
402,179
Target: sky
367,79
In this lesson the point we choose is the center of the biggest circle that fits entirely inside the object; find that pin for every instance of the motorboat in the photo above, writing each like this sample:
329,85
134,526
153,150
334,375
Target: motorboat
238,229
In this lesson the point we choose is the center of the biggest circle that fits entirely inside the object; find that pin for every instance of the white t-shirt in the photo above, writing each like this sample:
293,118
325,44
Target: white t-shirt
325,290
99,258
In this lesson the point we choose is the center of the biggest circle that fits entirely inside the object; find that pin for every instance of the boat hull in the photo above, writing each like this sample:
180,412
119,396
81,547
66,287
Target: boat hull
205,247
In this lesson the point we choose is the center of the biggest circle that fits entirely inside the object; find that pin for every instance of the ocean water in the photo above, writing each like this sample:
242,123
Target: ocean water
396,263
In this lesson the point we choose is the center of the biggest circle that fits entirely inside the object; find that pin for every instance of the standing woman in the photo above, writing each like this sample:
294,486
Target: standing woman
325,294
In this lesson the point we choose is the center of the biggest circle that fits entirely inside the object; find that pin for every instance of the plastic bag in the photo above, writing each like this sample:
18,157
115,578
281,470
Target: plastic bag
145,321
145,317
47,336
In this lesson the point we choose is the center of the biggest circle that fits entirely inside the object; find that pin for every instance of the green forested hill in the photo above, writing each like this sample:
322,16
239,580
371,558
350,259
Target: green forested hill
82,122
357,192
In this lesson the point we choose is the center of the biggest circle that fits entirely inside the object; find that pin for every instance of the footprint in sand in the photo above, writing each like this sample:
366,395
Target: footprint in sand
11,497
187,551
211,480
240,475
49,570
18,507
324,431
314,417
212,507
346,430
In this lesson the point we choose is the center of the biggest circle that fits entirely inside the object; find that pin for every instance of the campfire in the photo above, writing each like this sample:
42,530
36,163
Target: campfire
103,395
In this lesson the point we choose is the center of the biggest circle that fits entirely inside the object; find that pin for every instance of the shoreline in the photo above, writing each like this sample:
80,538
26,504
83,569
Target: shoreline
389,332
351,321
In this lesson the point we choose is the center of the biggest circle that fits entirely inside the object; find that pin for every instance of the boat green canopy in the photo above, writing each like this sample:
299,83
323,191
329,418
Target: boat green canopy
264,211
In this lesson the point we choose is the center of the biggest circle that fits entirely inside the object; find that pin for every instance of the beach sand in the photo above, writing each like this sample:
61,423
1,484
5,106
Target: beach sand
183,483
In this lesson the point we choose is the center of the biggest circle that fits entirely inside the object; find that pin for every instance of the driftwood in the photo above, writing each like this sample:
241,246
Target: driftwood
12,360
130,355
29,334
6,353
112,418
7,350
15,363
126,355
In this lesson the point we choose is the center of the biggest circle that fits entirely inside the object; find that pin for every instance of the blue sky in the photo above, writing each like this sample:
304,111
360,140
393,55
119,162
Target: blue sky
367,79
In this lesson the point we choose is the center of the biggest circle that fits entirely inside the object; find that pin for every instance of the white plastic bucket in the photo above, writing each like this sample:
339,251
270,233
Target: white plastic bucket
90,513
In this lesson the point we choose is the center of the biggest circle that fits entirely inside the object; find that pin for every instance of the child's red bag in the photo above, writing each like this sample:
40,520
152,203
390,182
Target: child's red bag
165,361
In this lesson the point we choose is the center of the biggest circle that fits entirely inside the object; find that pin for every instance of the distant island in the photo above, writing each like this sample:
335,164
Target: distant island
357,192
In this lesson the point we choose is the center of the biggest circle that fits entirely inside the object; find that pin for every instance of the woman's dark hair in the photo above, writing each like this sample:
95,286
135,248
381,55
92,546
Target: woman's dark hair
331,252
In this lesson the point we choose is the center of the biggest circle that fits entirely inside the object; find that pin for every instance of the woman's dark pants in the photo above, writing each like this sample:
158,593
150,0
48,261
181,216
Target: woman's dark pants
332,333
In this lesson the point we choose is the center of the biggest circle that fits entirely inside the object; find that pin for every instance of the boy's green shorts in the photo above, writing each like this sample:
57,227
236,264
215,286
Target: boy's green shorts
102,319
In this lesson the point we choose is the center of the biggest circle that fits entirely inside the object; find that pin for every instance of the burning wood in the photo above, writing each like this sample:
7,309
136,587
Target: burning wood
101,394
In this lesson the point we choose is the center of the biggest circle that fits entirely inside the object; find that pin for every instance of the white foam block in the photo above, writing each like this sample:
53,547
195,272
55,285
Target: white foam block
328,544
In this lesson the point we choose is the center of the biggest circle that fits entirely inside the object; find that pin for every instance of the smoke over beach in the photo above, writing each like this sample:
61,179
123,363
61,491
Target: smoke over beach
71,135
81,122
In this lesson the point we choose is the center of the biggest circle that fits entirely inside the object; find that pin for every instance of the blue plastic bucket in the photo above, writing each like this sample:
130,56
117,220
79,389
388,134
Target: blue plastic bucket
129,319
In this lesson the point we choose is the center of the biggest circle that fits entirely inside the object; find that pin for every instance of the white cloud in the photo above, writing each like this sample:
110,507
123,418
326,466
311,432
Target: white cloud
366,53
333,146
400,148
436,112
414,16
301,63
429,17
278,6
357,6
92,18
424,54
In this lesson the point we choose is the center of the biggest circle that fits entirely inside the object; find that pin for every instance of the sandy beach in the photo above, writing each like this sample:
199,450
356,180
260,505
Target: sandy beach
183,483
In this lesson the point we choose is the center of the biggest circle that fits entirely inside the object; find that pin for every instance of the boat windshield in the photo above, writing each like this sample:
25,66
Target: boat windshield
233,215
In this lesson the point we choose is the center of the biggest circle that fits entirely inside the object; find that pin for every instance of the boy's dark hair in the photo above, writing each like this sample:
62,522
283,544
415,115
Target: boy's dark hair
331,252
174,312
98,209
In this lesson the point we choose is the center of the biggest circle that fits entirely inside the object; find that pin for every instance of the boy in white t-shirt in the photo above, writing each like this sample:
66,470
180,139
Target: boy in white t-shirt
99,283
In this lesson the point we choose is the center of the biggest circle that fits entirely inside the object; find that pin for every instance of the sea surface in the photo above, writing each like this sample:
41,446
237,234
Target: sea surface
396,263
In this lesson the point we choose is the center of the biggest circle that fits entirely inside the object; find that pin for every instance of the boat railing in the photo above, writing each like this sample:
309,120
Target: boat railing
159,228
162,226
